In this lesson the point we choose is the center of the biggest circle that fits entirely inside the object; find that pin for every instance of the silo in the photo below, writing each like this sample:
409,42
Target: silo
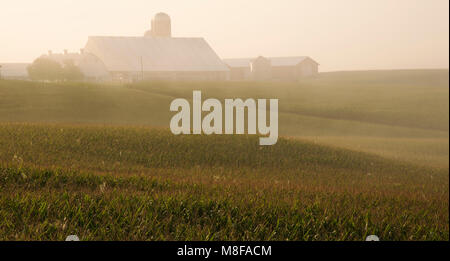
161,25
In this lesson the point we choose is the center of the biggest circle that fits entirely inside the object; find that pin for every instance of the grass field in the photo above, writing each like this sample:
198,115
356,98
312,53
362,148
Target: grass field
357,109
361,153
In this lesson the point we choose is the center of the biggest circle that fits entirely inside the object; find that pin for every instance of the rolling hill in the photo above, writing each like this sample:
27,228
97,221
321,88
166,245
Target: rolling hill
398,114
140,183
360,153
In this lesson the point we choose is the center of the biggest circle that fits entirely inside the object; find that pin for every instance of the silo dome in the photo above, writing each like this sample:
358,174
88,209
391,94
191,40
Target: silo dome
161,25
162,16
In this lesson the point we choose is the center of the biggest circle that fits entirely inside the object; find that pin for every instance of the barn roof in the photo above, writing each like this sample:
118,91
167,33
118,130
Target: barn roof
275,61
156,53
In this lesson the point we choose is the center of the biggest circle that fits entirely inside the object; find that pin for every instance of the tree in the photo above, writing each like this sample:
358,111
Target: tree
49,70
45,69
71,72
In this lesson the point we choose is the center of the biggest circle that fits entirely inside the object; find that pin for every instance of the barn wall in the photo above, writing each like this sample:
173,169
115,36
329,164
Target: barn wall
307,68
285,73
293,73
239,73
16,71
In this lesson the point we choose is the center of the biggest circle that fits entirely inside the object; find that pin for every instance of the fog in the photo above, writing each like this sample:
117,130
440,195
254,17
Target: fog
340,35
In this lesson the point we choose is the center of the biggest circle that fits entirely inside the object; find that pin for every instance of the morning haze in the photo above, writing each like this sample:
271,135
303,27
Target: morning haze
94,122
341,35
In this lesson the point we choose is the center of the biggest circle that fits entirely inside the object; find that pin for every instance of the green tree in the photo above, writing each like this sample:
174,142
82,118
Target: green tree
45,69
49,70
71,72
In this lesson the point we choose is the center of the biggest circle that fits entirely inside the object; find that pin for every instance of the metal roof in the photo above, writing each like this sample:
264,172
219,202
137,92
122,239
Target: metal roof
275,61
124,54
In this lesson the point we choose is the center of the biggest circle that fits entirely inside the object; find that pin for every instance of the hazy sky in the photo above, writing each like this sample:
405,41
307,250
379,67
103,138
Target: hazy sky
340,35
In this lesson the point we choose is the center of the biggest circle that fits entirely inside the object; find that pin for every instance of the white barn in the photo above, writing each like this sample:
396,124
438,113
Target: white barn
157,55
150,57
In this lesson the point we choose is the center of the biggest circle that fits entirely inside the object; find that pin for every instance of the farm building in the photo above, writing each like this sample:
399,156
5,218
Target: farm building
161,26
135,58
157,55
272,68
17,71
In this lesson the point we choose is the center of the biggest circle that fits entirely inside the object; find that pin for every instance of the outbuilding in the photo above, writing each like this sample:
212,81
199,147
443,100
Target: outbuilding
274,68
